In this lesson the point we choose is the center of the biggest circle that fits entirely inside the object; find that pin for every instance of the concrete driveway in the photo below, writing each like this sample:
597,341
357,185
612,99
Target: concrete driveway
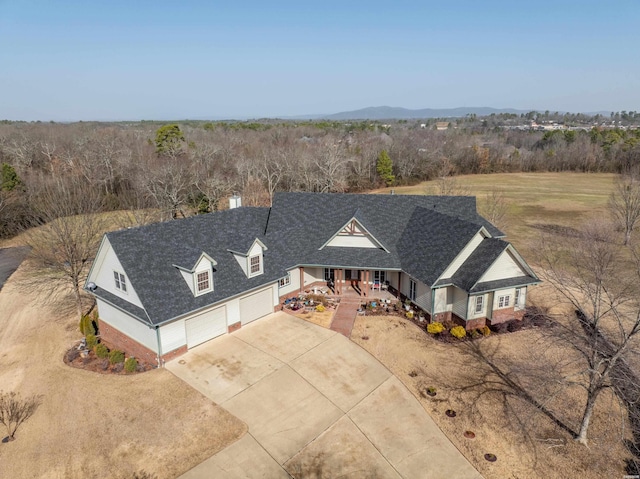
317,405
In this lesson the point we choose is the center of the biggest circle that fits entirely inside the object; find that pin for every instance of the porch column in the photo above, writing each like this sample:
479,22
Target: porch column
399,283
338,272
366,283
301,279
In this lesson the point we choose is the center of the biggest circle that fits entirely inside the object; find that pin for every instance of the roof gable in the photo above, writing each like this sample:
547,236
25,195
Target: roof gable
354,235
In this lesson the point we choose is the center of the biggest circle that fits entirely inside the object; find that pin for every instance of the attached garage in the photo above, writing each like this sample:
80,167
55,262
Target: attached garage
206,326
256,305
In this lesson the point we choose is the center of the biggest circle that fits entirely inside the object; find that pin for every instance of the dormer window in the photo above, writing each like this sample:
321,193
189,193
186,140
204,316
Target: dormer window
203,282
255,265
120,281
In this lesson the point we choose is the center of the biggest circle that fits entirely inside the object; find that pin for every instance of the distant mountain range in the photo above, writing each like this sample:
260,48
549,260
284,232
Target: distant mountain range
397,113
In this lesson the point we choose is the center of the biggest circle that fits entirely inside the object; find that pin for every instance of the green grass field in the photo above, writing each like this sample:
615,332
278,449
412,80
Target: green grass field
534,199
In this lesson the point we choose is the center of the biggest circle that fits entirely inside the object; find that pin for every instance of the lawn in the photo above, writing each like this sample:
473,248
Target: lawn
534,199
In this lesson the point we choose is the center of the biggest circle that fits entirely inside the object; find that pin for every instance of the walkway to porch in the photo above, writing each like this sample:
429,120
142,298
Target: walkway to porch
345,315
350,302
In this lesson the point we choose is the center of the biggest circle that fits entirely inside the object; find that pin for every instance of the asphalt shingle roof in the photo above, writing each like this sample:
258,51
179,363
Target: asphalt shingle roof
422,234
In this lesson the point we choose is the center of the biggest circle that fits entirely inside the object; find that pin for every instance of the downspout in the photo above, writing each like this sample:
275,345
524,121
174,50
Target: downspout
433,301
160,361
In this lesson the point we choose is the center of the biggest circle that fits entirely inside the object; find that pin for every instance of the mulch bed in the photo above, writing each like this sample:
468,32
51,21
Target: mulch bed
93,363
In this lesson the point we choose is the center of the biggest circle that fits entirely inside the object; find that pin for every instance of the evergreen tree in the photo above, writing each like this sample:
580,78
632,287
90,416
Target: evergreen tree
384,167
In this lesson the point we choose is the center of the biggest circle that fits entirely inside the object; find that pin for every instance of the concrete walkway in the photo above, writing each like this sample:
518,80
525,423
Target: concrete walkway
317,405
345,316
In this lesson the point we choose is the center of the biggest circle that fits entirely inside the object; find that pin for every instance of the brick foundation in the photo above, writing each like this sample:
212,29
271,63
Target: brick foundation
476,323
234,327
175,353
506,314
442,317
115,339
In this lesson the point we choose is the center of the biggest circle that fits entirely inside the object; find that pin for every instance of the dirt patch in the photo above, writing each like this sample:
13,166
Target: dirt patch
472,379
92,425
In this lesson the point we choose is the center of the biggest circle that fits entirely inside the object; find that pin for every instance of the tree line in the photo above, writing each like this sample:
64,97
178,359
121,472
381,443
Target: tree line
189,167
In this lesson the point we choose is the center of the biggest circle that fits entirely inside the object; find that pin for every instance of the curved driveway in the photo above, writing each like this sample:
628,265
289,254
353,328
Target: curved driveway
316,405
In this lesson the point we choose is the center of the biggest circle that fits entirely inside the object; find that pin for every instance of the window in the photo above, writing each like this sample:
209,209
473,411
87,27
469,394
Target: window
504,301
121,281
203,283
286,281
329,274
254,263
380,276
412,290
479,304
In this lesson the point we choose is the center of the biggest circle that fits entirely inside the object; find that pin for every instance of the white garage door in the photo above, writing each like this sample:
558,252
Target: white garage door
206,326
257,305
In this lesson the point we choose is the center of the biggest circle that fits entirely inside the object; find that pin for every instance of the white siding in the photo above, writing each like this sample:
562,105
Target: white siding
313,274
172,336
243,262
463,255
423,295
523,298
188,278
504,267
128,325
460,299
442,300
471,310
352,242
233,311
105,264
392,277
503,292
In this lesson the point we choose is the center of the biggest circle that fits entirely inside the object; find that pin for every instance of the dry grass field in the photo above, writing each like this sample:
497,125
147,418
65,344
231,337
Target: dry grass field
534,200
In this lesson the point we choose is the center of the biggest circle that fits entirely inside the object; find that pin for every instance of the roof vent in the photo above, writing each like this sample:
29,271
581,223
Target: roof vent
92,286
235,201
393,192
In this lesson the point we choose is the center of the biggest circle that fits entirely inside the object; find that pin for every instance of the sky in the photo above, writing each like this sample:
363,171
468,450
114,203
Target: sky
160,60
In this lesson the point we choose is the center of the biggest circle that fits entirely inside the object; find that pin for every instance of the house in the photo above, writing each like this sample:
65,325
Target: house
442,125
164,288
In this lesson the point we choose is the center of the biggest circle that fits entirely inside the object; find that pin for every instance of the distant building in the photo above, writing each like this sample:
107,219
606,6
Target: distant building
442,125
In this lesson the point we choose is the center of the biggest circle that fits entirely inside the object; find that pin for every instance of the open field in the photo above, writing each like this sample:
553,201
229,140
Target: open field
534,199
91,425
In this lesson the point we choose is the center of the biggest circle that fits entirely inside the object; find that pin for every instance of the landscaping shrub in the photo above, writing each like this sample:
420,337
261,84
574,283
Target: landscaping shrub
87,326
92,341
116,357
435,328
458,332
130,365
101,351
320,308
486,331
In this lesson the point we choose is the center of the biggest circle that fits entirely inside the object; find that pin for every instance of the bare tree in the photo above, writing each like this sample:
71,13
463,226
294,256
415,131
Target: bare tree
591,274
169,187
446,184
14,411
64,238
494,207
624,204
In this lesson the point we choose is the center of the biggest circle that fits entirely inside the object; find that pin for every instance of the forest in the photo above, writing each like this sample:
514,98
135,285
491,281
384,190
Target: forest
184,168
